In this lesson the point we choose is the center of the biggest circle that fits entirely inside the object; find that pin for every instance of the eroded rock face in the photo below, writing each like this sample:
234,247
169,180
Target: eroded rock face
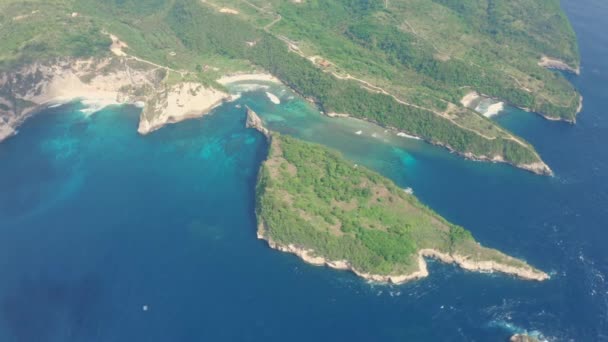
110,80
254,121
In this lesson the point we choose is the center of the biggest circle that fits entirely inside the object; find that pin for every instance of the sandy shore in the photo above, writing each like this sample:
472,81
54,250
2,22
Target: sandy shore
468,99
255,77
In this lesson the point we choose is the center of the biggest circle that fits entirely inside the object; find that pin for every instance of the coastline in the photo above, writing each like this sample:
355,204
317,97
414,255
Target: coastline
554,63
483,266
539,167
255,122
184,101
472,99
248,77
100,83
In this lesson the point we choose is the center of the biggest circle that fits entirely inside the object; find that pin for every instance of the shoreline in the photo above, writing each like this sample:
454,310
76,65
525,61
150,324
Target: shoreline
469,99
473,99
184,101
99,83
173,120
483,266
557,64
539,168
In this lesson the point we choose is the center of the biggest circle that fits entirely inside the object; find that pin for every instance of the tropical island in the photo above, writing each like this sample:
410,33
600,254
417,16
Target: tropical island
314,203
405,64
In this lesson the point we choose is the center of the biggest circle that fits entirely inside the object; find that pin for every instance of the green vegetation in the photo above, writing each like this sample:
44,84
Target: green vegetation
419,56
201,29
312,197
444,46
39,30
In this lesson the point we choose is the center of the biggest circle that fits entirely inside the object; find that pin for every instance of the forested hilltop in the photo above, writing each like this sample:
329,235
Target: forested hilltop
400,63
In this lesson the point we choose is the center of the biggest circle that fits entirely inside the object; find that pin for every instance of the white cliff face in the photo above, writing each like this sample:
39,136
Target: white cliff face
111,80
179,102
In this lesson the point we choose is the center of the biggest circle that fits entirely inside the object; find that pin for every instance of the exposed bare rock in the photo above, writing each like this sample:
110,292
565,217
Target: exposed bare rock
106,81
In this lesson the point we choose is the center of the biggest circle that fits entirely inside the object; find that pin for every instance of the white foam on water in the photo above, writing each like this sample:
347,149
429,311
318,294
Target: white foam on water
273,98
405,135
94,106
489,107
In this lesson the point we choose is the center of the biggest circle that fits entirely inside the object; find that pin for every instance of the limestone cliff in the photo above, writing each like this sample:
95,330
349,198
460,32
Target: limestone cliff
109,80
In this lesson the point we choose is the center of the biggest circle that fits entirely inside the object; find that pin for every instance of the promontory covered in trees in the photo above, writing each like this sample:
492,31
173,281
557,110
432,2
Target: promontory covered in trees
314,203
405,64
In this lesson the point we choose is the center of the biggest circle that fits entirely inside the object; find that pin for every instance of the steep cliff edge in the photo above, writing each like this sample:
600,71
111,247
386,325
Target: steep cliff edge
108,80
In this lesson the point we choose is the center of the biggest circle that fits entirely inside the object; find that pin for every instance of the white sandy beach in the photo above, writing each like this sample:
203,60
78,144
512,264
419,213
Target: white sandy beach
253,77
469,98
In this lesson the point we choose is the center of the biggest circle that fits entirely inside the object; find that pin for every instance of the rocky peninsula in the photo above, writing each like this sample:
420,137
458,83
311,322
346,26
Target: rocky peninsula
313,203
554,63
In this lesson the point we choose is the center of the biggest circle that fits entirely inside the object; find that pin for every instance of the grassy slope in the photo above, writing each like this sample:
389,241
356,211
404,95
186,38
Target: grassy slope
445,46
312,197
41,30
190,34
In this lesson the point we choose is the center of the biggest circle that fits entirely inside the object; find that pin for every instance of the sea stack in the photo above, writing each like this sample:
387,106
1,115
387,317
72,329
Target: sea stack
254,121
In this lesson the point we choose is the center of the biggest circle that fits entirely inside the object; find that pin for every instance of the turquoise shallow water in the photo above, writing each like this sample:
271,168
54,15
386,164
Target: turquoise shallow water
97,222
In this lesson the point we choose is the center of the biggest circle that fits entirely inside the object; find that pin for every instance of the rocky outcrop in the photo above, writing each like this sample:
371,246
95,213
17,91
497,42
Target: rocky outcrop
465,262
523,338
485,266
254,121
539,168
109,80
553,63
178,102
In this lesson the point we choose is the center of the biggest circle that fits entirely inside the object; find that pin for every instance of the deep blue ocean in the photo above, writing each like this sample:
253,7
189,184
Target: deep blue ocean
106,235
